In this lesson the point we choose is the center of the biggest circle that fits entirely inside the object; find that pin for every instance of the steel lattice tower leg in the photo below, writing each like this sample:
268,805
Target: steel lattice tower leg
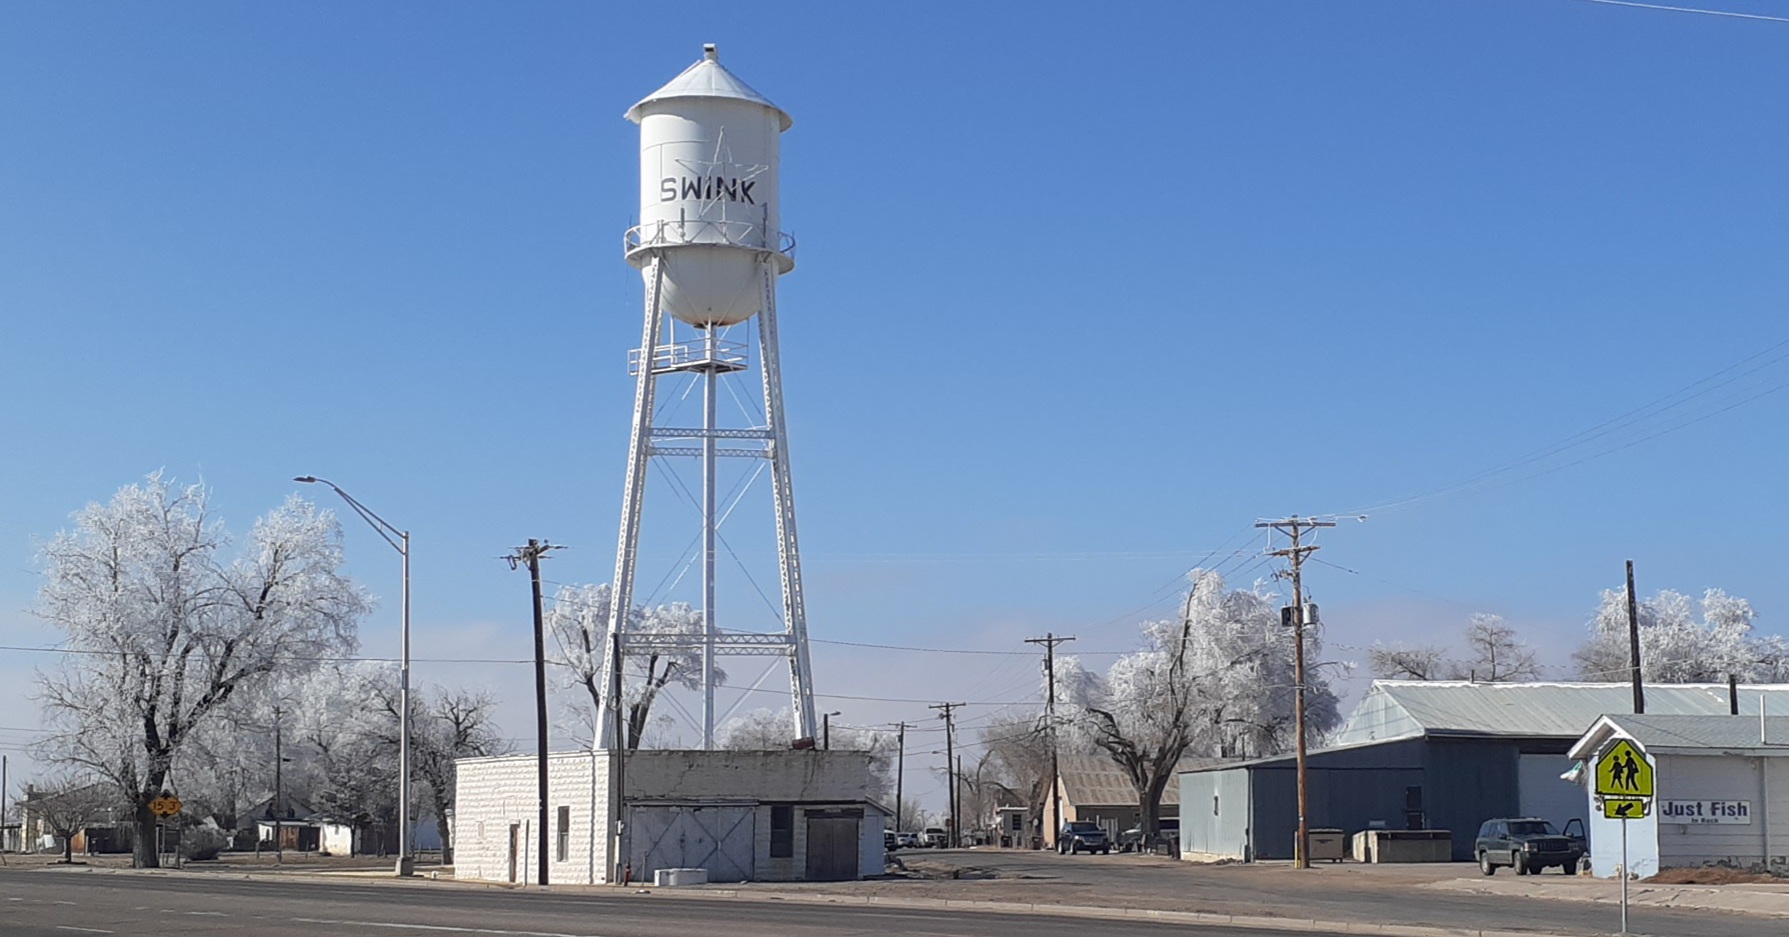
793,641
795,620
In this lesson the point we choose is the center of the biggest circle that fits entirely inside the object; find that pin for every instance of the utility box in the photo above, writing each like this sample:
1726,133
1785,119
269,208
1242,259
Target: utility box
666,878
1328,844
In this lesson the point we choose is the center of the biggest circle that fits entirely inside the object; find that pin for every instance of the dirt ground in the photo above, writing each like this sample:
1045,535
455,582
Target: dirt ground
1715,875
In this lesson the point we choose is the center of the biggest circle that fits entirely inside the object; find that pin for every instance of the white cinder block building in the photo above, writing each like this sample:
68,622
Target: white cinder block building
1721,793
742,816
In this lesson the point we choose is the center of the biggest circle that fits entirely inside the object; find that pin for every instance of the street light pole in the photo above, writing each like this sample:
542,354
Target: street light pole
406,864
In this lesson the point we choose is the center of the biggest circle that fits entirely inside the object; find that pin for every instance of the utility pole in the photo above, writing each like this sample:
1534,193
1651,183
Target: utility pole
1633,643
3,767
1049,641
900,772
279,790
1295,528
945,712
530,556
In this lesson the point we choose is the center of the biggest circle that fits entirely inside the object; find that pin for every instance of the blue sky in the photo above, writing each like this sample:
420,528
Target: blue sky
1082,294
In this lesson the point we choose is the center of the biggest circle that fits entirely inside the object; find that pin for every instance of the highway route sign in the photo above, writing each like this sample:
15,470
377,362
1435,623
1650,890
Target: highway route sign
1626,808
166,805
1623,772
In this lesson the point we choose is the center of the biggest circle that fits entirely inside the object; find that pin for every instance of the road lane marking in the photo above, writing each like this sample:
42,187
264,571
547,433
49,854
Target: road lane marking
85,930
436,927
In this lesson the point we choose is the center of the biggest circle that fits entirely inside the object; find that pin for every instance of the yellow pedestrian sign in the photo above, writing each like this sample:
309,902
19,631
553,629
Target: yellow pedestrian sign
1623,772
1626,808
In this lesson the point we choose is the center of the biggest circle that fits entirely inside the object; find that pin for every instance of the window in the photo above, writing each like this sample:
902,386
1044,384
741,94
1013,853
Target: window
782,831
564,833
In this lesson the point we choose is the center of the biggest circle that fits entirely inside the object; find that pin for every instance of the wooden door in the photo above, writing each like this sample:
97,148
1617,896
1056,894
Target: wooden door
832,848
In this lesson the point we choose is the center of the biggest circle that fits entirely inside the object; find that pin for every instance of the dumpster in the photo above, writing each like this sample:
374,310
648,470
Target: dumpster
1328,844
1403,846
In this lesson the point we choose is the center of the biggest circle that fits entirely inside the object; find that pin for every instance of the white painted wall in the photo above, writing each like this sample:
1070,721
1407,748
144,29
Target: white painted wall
872,857
336,839
1214,814
1762,781
493,793
1605,837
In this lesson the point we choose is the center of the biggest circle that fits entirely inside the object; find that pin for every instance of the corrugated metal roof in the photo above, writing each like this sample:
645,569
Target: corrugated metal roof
1395,709
708,78
1720,733
1095,780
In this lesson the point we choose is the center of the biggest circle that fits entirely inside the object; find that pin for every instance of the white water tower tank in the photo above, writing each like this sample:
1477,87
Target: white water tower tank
708,193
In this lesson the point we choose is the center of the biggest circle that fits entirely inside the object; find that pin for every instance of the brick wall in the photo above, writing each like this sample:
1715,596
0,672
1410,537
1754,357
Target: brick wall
493,794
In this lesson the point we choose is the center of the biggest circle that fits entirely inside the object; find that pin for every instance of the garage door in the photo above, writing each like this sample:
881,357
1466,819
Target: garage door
719,839
1544,794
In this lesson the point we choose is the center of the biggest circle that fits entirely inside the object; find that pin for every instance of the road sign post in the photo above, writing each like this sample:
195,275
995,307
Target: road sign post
1624,786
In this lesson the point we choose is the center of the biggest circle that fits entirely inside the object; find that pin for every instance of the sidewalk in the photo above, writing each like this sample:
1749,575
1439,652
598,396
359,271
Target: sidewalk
1768,900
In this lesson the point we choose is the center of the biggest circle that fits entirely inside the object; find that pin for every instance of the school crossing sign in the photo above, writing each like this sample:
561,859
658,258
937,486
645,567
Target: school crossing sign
1624,781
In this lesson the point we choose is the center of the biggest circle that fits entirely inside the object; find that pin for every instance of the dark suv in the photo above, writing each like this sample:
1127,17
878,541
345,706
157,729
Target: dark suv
1080,836
1527,845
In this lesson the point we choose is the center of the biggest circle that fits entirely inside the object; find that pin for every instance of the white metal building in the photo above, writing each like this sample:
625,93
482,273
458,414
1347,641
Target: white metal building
742,816
1721,786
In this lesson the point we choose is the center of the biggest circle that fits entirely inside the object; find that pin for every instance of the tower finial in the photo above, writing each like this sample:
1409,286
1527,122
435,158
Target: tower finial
710,53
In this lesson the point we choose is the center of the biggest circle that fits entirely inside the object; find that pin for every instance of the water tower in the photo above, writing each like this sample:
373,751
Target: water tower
710,248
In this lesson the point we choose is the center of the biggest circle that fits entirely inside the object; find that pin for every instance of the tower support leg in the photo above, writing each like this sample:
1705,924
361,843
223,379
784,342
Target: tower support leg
801,686
609,734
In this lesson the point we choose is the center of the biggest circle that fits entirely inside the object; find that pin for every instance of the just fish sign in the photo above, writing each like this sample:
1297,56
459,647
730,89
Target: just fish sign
1705,811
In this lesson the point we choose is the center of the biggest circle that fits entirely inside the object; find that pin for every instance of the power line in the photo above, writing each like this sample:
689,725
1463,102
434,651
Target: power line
1676,9
1642,420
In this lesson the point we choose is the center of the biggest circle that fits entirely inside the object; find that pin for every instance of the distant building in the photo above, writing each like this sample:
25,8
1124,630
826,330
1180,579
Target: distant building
1438,755
741,815
1094,788
1721,792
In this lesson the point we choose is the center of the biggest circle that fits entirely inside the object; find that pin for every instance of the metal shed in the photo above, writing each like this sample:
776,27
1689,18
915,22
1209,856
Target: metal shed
1424,755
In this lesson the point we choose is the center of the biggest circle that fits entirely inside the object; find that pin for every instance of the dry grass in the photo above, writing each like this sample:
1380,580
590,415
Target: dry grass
1715,875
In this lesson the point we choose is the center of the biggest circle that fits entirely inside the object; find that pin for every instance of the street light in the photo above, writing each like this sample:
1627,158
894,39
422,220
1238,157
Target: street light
826,730
406,862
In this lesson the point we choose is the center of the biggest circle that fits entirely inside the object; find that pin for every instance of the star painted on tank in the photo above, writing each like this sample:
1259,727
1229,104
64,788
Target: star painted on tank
722,180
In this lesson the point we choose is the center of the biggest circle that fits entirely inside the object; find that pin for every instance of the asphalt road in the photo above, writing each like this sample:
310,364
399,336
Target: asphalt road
1340,893
57,903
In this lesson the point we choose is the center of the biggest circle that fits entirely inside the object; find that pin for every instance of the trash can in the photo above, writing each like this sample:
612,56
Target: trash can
1328,844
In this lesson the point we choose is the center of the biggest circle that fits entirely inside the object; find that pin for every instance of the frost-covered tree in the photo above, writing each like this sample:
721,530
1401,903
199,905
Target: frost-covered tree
1018,747
1497,655
166,628
65,805
1676,646
1408,662
1494,654
1218,681
580,624
455,724
761,730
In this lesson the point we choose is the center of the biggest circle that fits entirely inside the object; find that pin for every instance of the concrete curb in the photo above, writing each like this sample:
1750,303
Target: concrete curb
1195,918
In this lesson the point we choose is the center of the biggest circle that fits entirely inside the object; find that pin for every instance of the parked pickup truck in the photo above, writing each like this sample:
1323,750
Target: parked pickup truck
1528,845
934,837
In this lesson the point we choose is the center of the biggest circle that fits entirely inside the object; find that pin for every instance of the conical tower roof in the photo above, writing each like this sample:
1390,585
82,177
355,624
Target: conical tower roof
708,78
